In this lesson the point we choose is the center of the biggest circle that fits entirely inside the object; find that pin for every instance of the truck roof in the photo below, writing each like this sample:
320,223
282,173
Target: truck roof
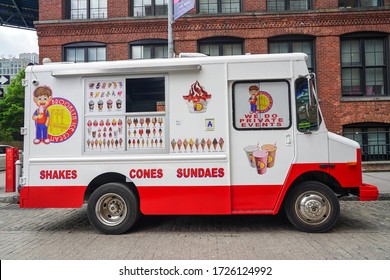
154,65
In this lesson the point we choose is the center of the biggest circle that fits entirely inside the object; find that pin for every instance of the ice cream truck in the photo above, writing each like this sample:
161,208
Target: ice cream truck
231,135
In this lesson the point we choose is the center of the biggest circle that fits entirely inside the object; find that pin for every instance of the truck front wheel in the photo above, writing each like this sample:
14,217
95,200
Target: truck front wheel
113,208
312,207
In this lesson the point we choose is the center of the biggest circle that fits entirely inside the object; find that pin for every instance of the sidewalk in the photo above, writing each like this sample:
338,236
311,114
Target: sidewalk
379,179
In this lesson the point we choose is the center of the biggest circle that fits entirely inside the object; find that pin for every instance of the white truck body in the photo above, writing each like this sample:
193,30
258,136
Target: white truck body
180,134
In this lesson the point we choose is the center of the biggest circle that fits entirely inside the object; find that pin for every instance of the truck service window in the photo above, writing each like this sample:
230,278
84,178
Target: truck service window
145,95
261,105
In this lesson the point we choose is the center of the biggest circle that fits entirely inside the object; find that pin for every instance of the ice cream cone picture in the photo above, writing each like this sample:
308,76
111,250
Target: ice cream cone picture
208,144
203,143
173,144
147,121
185,143
197,143
221,142
179,144
215,143
191,142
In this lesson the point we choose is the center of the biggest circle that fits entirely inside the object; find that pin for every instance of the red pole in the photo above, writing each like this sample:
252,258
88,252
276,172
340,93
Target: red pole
11,156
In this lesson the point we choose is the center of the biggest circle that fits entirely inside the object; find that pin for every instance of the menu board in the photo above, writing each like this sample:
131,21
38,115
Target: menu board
145,132
105,134
105,97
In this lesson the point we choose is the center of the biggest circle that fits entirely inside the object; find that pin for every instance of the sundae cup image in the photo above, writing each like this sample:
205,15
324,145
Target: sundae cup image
119,104
261,160
197,98
100,105
249,150
271,149
221,142
173,144
91,105
109,104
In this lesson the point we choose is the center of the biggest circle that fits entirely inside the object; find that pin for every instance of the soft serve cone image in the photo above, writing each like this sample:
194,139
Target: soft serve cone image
179,144
203,143
173,144
185,143
215,143
208,144
197,143
221,142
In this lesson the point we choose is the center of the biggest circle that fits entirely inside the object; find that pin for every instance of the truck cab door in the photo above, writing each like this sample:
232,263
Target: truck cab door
261,143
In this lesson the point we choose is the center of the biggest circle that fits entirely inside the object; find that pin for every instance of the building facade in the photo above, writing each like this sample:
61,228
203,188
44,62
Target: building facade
347,42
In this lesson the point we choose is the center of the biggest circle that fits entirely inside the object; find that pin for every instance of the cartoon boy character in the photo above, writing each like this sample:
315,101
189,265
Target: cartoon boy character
42,98
253,91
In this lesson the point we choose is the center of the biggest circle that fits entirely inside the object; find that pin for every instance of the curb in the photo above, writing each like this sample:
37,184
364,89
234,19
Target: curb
12,198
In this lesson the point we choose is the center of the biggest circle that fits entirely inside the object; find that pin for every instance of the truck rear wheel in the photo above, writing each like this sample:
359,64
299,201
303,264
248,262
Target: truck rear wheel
113,208
312,207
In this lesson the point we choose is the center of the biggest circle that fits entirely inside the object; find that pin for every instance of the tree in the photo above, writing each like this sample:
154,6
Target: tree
12,109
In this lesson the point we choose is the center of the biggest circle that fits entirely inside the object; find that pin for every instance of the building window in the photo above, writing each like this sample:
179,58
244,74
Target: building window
146,49
289,5
143,8
374,139
219,46
85,52
292,44
219,6
87,9
360,3
364,66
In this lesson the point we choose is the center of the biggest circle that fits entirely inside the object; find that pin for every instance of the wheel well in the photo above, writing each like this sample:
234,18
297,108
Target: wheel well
105,178
319,176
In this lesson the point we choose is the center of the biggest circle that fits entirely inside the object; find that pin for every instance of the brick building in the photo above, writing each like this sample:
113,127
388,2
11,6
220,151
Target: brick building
347,42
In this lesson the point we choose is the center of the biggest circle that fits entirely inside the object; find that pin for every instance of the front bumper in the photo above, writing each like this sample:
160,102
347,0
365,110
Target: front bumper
368,192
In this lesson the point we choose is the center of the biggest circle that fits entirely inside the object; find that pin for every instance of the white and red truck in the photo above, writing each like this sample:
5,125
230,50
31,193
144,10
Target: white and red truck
200,135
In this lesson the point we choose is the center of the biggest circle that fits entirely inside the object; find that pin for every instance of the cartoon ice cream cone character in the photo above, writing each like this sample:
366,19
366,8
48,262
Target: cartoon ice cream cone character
221,142
191,142
185,143
173,144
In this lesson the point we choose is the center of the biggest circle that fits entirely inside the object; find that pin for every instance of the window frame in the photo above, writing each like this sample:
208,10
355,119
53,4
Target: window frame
153,8
219,7
85,46
287,6
221,42
68,8
290,40
362,66
151,43
358,4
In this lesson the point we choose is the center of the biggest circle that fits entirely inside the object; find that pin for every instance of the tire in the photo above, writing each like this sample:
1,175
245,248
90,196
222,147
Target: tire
312,207
113,208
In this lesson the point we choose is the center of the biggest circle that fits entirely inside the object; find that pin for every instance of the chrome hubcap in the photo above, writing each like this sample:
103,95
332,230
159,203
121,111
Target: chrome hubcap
111,209
312,208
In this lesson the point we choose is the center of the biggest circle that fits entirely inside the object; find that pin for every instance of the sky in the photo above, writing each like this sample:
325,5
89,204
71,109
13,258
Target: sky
14,41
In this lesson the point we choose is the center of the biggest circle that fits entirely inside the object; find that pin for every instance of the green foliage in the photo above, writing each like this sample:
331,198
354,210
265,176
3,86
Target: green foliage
12,109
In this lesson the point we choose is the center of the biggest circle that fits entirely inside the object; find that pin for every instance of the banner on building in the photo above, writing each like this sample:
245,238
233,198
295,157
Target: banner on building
180,7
